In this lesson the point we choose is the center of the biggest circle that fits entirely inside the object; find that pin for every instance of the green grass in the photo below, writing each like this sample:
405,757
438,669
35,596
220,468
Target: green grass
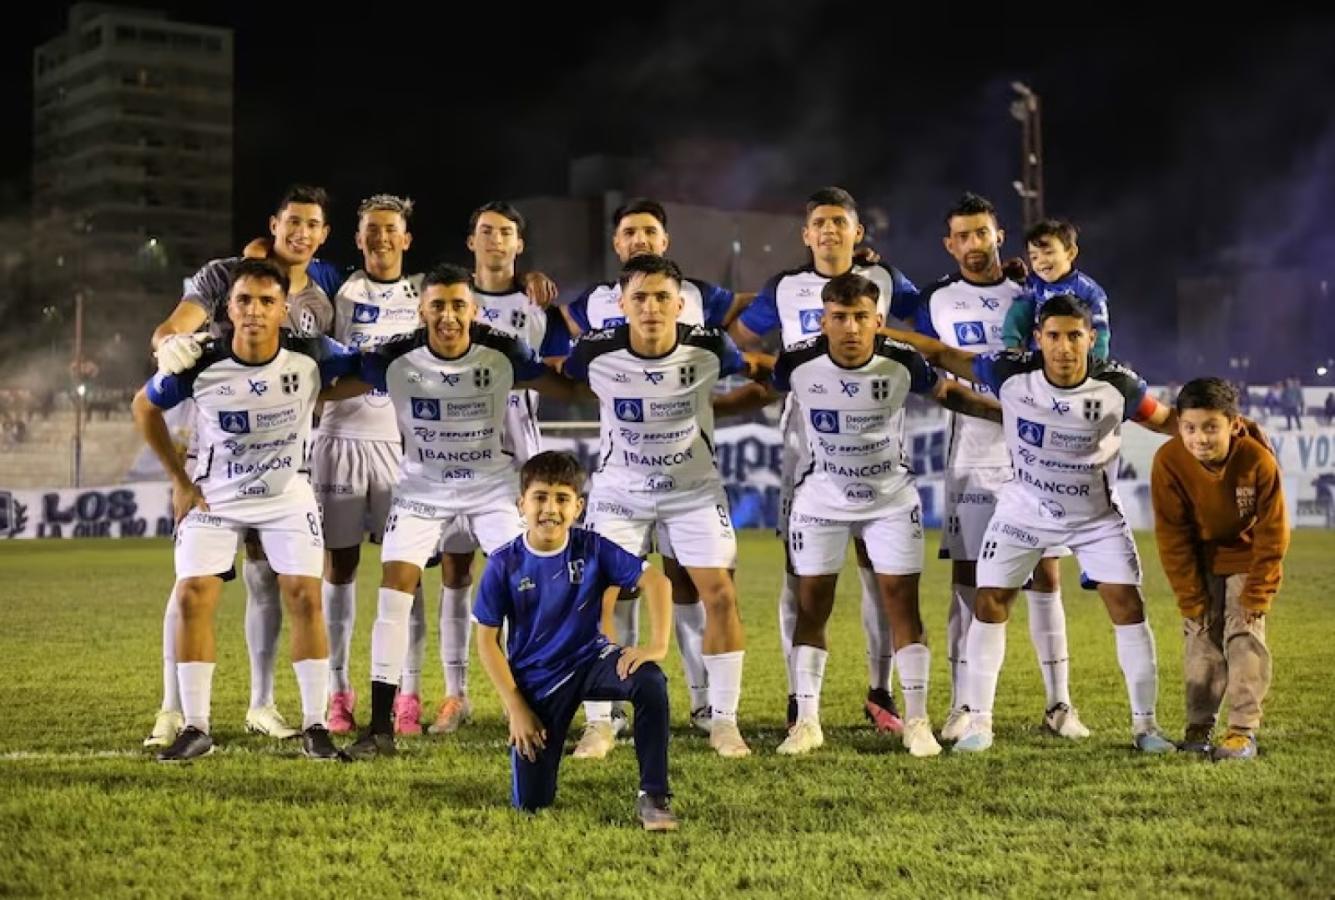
84,813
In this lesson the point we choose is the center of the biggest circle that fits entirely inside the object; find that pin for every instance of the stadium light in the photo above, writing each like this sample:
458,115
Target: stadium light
1321,370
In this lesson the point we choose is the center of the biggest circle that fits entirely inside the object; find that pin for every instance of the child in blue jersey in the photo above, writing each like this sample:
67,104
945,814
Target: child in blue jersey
556,585
1053,248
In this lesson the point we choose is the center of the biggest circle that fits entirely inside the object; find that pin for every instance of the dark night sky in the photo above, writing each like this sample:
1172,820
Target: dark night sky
1166,146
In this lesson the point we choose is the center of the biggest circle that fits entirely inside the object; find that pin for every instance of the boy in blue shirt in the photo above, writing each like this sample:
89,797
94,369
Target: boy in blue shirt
1053,247
556,585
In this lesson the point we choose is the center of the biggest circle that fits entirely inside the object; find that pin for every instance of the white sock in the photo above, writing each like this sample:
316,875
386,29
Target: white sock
957,632
410,682
598,711
456,625
389,635
1047,630
312,679
171,620
788,625
340,615
196,688
809,663
1140,668
689,622
264,623
915,665
876,626
626,621
725,683
986,651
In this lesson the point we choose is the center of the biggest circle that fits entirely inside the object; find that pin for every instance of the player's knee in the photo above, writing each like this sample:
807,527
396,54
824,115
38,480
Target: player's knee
1047,576
192,600
719,597
303,599
992,605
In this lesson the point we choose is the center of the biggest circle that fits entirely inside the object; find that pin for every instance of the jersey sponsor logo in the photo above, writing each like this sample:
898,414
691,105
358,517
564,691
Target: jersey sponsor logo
990,303
804,519
862,422
427,435
236,448
365,313
195,517
425,408
471,408
1053,487
1072,440
450,378
1033,459
491,314
679,458
621,378
1060,407
653,377
457,475
291,382
1051,509
225,390
430,454
482,377
826,421
234,421
849,388
630,436
673,408
258,386
254,489
818,389
628,410
1030,432
362,339
659,483
855,449
809,319
1029,401
237,469
970,333
1019,534
614,321
276,418
613,509
1093,410
871,470
859,492
973,498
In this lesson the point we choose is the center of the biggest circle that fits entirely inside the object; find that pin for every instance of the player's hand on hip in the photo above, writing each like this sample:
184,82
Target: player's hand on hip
539,288
179,352
526,733
633,657
186,497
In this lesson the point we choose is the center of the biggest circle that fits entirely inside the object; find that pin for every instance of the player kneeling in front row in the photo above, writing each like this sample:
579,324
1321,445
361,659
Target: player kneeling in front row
255,394
554,586
851,385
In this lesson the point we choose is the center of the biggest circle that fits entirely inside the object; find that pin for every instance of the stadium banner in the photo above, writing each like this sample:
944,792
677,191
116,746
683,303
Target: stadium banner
132,510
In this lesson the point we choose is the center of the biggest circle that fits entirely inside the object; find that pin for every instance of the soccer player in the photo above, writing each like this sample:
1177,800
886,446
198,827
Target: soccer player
448,382
550,587
852,384
790,305
1062,412
1222,530
299,227
967,310
255,394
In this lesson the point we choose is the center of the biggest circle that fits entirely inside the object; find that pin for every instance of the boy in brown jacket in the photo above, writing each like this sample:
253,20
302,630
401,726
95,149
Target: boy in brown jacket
1222,530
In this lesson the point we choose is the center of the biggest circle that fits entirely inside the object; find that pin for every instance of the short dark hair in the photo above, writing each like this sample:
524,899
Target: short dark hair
971,204
554,467
647,264
847,289
1066,305
1062,230
501,208
1214,394
640,205
305,193
446,274
260,268
832,196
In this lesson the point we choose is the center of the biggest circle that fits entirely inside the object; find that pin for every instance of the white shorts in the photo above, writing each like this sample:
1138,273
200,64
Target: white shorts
416,527
971,499
794,455
207,542
521,438
817,546
693,525
354,484
1104,547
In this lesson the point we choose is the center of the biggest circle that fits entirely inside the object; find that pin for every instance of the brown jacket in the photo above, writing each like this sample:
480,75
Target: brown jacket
1227,522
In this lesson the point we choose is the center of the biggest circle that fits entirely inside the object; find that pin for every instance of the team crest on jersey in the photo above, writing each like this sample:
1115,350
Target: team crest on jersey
291,382
880,388
1093,410
826,421
306,324
686,375
809,320
1246,497
629,410
970,333
234,421
526,584
1030,432
989,550
518,319
365,313
576,569
482,377
426,408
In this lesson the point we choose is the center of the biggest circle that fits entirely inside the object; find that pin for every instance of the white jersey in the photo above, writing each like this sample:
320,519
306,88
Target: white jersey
702,303
790,301
367,313
854,422
656,414
253,422
451,412
970,316
1064,442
